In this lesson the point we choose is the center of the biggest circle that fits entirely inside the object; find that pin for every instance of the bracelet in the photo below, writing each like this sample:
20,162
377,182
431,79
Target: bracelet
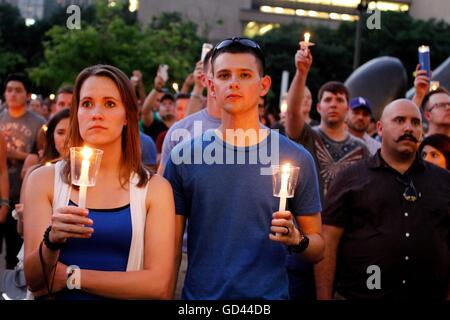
51,245
198,96
4,202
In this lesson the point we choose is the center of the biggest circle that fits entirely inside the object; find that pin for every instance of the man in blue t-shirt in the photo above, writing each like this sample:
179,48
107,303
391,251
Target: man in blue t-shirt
237,238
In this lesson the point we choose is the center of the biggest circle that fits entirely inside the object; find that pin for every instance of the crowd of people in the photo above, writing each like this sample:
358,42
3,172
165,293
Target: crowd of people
183,205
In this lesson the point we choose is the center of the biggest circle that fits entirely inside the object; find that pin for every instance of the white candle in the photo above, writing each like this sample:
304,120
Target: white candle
306,37
285,172
84,177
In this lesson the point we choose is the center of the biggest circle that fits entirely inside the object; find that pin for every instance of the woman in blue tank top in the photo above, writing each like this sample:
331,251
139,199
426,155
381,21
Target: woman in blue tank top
122,246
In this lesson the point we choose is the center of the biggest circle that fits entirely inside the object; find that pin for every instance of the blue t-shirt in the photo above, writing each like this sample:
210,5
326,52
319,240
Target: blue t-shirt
106,250
188,128
148,149
229,208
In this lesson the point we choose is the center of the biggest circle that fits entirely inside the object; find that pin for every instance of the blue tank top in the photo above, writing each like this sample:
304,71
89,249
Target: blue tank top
106,250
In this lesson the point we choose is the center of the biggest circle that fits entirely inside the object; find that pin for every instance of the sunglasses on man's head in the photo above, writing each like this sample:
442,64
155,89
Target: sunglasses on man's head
245,42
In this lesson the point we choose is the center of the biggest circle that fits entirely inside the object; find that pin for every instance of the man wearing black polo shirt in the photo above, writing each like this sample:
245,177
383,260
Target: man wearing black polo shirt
386,220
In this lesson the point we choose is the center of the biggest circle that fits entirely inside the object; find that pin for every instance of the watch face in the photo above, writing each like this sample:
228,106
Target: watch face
304,243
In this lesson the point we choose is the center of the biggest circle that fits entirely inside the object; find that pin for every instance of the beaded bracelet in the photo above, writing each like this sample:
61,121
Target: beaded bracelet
51,245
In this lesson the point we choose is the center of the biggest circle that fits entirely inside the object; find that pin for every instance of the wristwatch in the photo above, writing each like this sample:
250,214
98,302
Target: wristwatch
302,245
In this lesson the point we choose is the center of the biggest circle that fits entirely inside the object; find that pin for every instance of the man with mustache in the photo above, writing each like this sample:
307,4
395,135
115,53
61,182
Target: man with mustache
389,221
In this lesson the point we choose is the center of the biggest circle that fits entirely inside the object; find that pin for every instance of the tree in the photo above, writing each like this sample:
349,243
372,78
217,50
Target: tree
112,40
8,60
11,54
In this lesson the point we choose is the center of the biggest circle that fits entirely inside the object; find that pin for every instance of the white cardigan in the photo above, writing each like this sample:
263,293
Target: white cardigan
61,197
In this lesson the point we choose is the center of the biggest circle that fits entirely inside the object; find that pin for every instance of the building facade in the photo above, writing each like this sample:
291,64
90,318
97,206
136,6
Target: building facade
218,19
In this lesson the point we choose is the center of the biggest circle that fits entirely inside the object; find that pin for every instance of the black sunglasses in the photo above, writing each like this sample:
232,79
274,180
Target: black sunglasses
410,193
243,42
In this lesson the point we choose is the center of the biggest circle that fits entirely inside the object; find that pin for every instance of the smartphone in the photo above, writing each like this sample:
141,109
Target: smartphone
163,72
205,49
424,59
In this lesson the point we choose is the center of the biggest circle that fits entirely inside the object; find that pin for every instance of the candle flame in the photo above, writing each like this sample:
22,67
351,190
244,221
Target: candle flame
48,164
87,153
434,85
286,168
306,36
44,128
424,49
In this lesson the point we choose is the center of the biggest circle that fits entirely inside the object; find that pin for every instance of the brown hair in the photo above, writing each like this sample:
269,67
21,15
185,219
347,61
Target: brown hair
334,87
426,99
131,149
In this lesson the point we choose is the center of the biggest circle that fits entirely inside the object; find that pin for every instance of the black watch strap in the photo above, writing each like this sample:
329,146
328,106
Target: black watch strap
302,245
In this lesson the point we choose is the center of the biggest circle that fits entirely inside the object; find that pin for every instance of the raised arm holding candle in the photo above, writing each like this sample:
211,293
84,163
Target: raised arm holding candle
305,44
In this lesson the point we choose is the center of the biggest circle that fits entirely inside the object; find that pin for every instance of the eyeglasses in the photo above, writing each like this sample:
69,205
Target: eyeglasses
410,193
440,105
243,42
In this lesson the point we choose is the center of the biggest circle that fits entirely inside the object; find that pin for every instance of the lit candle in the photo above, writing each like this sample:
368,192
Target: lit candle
306,37
285,172
424,59
305,44
84,177
434,85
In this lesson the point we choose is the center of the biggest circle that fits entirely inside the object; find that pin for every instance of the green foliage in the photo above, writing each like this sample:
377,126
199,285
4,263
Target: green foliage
111,40
9,60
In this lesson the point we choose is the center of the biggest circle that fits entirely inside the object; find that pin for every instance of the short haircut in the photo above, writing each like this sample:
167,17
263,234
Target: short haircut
20,77
238,45
334,87
65,89
426,99
167,96
441,142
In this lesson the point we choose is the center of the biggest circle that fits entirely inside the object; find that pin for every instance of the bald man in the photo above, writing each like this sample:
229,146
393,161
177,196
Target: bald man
389,216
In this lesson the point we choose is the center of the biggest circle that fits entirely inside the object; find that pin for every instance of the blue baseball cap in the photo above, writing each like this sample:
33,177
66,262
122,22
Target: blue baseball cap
360,102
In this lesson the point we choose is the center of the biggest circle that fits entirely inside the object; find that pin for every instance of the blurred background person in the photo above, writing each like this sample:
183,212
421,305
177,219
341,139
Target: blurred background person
358,121
63,99
20,128
306,108
436,109
436,149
